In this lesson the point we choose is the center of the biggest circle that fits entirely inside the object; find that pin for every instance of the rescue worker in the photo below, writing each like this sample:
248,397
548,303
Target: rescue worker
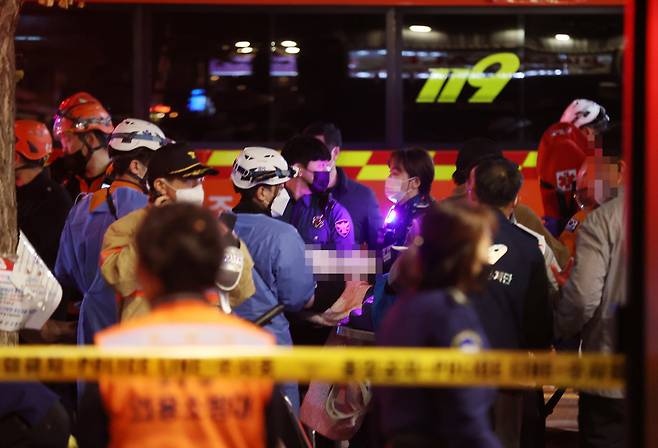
562,150
43,206
179,250
174,176
316,215
471,153
591,298
131,145
599,180
514,308
449,260
280,273
42,203
82,126
359,200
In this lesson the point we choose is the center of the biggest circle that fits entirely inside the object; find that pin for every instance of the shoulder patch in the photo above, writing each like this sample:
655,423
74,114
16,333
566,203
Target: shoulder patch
565,179
496,252
343,227
467,341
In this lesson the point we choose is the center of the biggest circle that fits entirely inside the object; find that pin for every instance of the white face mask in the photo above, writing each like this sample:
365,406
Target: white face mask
193,195
393,189
280,203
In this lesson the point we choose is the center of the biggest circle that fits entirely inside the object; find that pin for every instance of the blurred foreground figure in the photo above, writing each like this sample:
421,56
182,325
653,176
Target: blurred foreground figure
177,249
440,315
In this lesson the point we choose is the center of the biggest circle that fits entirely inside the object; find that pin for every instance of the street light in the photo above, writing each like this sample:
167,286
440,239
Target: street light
420,29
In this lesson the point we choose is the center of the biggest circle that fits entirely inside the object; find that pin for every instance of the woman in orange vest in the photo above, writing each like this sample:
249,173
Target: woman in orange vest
179,250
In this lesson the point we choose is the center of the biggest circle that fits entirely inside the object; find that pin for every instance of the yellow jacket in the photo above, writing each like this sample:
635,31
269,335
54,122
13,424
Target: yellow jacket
119,266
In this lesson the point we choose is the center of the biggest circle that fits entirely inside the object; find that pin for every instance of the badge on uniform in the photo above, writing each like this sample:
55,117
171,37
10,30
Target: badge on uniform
496,252
343,227
565,179
572,225
318,221
467,341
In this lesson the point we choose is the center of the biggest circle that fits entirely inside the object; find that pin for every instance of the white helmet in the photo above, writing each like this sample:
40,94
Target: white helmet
133,133
583,112
260,166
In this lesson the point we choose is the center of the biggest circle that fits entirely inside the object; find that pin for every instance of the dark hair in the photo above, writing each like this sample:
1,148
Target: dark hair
329,132
472,152
450,234
121,159
497,182
417,162
303,149
180,244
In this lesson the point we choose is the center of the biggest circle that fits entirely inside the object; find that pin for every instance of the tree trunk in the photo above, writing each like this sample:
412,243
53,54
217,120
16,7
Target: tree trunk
8,227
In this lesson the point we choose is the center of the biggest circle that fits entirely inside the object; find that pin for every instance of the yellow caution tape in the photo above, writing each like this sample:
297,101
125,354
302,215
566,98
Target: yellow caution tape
381,366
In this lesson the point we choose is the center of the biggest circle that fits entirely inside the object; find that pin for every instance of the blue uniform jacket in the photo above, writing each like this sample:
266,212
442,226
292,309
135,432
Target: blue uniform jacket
361,203
329,226
449,416
515,309
280,273
78,258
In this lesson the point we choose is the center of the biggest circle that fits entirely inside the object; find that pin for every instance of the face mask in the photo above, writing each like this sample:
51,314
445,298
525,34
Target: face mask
193,195
74,163
320,181
393,189
279,203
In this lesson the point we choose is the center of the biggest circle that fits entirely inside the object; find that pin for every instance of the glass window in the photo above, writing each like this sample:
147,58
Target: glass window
569,57
65,51
218,80
507,77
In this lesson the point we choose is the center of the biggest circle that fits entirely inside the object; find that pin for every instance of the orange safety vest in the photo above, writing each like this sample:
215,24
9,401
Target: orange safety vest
190,412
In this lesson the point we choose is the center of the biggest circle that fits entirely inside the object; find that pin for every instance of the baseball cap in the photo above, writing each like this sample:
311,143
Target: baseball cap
176,160
471,153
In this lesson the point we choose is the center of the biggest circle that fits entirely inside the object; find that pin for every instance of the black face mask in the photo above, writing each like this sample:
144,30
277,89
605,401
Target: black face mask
320,182
75,163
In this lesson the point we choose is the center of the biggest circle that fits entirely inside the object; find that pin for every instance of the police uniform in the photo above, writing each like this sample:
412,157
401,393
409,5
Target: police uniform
400,220
435,416
514,308
78,258
515,312
189,412
361,203
324,221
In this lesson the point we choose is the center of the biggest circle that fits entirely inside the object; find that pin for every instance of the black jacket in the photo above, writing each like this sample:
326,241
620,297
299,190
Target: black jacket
43,206
515,309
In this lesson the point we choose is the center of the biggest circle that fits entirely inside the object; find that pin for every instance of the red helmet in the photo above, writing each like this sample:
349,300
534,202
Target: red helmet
81,113
33,140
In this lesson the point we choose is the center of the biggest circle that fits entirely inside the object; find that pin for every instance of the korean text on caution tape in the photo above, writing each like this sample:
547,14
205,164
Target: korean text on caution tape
381,366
